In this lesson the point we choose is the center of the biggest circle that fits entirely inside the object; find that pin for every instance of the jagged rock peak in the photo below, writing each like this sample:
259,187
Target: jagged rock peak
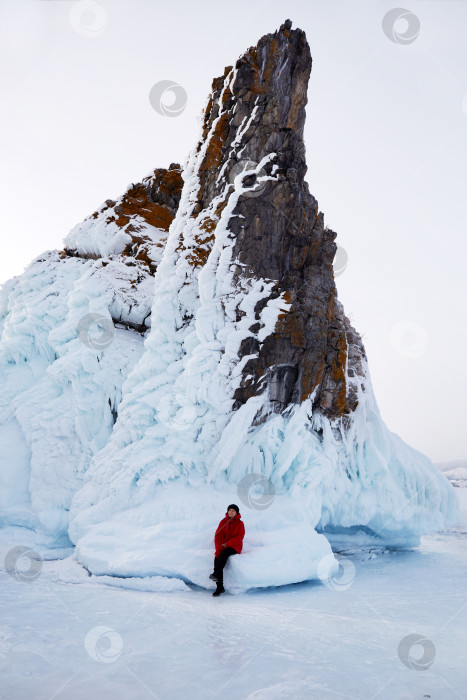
268,85
253,124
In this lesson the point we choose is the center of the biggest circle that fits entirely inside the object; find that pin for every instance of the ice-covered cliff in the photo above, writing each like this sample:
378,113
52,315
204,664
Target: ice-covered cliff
67,344
250,373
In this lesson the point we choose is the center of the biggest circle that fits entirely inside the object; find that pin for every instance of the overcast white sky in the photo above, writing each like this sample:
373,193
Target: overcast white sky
386,140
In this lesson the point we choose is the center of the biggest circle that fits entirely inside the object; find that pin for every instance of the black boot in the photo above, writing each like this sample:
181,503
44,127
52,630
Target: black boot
213,577
219,590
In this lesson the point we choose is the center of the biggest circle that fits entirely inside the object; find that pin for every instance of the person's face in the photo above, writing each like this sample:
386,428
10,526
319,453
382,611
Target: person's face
231,512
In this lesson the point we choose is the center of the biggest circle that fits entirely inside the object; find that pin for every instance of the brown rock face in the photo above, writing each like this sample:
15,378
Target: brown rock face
126,238
150,203
254,121
156,201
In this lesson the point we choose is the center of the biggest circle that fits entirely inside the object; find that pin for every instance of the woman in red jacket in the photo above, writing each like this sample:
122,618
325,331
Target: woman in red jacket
228,540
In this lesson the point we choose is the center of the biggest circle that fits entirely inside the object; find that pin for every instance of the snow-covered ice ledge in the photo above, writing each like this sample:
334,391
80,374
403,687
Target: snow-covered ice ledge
173,535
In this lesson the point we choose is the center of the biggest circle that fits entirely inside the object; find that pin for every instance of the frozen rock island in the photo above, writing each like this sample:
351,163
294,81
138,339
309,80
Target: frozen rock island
186,350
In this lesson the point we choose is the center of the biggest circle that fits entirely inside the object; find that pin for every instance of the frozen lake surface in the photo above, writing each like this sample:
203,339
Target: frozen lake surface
340,640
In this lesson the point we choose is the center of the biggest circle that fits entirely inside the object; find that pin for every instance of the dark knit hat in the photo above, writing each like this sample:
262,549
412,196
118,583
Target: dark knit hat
232,505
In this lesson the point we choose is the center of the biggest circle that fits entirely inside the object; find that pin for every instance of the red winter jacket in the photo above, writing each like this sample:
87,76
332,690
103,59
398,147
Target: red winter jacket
230,532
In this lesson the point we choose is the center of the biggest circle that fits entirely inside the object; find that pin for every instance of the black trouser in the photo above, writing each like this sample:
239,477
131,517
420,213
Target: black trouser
220,562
